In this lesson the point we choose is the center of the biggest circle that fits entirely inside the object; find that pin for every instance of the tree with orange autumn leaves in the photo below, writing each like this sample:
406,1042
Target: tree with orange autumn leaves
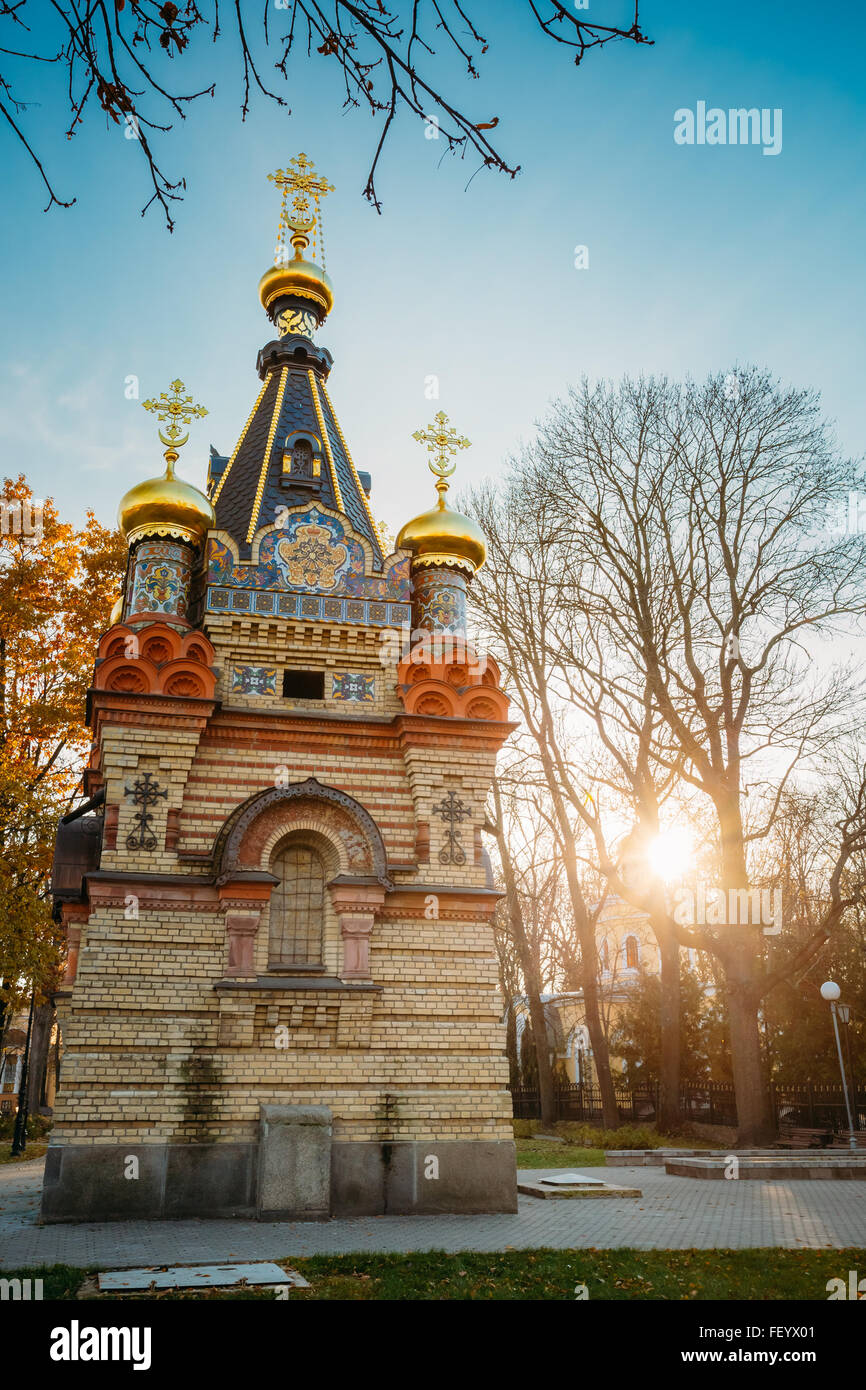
57,586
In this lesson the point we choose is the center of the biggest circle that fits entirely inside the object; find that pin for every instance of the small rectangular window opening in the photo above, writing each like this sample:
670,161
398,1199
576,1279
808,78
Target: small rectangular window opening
303,685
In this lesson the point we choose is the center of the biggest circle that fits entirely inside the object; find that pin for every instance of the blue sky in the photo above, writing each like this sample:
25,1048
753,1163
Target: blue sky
699,257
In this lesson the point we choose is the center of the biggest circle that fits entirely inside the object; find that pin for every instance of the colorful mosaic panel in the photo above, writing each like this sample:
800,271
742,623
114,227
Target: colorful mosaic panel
161,579
440,600
315,553
254,680
354,687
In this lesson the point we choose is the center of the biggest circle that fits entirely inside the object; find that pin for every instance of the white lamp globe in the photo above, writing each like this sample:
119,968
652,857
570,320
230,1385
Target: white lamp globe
830,991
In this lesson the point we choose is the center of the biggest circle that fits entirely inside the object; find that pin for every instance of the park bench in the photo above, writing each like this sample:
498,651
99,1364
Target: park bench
801,1137
840,1141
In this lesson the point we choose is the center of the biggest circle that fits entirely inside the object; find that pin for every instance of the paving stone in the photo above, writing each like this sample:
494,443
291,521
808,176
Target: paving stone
673,1214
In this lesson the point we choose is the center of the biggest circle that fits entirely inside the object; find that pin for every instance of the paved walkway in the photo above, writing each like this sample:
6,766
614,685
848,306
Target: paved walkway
673,1214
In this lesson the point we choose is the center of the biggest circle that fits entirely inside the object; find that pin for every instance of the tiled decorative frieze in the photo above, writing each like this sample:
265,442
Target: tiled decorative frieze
311,607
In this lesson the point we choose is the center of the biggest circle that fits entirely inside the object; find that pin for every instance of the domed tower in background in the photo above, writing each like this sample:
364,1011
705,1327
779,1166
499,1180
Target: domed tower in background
281,990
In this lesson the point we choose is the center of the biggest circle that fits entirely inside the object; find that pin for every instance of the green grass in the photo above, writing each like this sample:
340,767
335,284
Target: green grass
535,1153
537,1275
58,1281
586,1136
542,1275
32,1151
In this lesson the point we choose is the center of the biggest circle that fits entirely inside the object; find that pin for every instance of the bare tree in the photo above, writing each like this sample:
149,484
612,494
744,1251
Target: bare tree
515,597
617,760
530,873
691,556
121,55
796,860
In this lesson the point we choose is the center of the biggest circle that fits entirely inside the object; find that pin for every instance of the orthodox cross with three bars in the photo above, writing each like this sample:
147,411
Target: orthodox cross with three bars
145,792
453,811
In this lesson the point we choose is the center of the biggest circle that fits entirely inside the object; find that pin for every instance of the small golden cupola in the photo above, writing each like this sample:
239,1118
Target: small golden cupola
167,506
296,293
447,548
164,521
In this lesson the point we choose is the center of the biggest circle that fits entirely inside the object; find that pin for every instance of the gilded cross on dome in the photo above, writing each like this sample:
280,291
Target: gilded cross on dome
179,410
442,442
301,179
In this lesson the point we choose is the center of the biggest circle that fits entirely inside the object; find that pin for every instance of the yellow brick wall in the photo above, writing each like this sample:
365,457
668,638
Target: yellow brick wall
156,1050
148,1037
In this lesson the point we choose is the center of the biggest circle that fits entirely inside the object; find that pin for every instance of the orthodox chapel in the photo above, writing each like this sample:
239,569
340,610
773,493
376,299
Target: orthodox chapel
281,992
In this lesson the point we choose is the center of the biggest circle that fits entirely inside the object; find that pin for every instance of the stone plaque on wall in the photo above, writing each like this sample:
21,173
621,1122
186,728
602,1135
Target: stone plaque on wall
294,1172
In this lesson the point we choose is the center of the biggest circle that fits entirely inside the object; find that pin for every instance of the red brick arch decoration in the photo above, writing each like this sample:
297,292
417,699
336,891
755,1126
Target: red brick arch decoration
242,840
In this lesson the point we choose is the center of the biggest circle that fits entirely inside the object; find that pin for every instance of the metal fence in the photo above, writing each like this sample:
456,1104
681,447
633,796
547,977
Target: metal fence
713,1104
818,1106
581,1101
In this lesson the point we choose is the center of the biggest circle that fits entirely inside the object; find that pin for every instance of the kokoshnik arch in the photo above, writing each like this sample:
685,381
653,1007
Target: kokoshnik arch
281,993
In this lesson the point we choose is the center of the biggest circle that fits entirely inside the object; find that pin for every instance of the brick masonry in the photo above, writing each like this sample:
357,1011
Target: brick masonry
176,1028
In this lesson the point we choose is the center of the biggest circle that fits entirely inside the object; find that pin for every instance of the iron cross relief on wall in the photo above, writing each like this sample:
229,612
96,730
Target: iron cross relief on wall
145,793
452,811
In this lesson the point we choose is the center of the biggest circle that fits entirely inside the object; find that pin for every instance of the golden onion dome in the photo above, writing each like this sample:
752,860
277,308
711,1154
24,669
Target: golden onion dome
301,278
444,537
116,612
165,506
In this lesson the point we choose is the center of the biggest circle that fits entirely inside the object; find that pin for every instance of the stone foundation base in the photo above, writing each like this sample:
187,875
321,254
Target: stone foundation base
88,1182
425,1177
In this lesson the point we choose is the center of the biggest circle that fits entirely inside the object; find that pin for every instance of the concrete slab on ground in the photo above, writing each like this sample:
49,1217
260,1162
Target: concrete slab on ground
778,1168
657,1158
575,1190
266,1275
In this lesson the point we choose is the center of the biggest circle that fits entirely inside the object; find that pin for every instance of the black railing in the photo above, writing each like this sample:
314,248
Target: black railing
817,1106
581,1101
713,1103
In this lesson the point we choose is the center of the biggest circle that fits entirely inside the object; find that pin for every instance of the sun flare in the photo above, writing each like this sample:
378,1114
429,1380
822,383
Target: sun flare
671,853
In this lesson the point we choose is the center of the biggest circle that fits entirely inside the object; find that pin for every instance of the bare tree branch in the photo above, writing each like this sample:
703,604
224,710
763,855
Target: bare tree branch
377,49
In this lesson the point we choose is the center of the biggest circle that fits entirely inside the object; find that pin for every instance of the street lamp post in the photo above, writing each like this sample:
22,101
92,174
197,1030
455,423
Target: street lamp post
844,1012
19,1136
830,991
